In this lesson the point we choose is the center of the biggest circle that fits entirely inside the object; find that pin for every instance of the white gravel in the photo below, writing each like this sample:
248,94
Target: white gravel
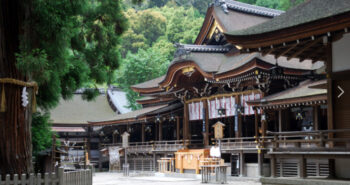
118,179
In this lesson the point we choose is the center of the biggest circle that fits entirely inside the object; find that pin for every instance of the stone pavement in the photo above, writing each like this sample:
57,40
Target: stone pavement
118,179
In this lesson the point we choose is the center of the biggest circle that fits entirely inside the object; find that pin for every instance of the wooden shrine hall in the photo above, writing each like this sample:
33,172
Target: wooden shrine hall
213,80
315,30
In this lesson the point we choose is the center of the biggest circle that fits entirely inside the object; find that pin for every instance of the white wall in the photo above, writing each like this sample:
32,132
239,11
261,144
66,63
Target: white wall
341,54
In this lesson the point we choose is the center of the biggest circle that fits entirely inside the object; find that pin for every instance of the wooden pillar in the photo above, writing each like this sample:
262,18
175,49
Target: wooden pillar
256,121
238,120
280,125
185,123
181,164
260,163
273,166
302,167
160,127
154,162
143,132
155,131
177,128
316,109
206,119
328,43
241,164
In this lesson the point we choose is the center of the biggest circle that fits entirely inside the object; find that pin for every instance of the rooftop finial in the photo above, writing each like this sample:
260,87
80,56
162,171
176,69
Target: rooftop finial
221,3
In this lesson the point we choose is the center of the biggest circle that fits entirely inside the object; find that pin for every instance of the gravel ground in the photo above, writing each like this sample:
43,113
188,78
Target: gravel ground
118,179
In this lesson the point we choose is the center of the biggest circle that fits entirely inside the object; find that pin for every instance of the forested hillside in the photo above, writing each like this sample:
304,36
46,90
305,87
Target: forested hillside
154,26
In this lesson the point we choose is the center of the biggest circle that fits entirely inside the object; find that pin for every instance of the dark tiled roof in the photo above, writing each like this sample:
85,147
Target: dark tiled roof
247,8
204,48
304,13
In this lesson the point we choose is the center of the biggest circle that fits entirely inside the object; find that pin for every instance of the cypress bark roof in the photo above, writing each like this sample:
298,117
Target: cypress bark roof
306,12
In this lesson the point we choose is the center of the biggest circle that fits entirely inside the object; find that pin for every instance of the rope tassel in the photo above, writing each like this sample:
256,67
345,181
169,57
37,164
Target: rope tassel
3,99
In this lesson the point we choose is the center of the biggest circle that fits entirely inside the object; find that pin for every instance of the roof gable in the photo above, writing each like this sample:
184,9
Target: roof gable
229,16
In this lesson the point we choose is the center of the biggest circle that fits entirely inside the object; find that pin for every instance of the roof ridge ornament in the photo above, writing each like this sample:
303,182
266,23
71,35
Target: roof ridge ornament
222,4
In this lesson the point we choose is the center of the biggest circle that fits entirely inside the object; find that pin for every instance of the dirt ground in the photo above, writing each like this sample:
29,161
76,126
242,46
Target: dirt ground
118,179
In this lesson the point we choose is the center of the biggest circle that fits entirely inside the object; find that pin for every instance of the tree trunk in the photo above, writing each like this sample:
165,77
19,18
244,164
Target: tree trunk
15,122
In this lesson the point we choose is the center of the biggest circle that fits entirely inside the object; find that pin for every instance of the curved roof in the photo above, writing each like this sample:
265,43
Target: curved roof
149,84
253,9
79,111
304,13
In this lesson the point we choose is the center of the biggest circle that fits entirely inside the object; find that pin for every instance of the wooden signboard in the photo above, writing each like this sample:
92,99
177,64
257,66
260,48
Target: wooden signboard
125,139
218,130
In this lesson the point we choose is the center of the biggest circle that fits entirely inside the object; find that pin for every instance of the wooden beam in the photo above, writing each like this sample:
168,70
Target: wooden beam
266,52
286,51
307,46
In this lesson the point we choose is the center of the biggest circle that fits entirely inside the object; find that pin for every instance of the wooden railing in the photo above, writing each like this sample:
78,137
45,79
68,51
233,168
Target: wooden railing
141,147
81,177
309,139
243,143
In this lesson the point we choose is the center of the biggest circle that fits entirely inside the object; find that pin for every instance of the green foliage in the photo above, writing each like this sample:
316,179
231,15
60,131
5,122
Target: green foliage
148,50
68,44
41,132
142,66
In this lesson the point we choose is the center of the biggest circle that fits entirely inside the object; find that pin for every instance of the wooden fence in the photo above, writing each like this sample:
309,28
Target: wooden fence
81,177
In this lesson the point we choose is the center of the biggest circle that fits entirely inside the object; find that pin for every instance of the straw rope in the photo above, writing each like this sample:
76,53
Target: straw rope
4,81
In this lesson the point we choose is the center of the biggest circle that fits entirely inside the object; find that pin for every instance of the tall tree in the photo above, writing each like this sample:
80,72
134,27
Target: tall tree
62,45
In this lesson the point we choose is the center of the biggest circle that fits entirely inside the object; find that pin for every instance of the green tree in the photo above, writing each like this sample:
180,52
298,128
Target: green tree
140,36
139,67
62,45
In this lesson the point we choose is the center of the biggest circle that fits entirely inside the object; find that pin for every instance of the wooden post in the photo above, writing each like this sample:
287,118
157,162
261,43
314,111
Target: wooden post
160,131
60,176
302,167
316,109
206,134
329,70
238,120
280,129
181,164
256,121
177,128
143,132
241,164
197,166
260,163
185,123
273,166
